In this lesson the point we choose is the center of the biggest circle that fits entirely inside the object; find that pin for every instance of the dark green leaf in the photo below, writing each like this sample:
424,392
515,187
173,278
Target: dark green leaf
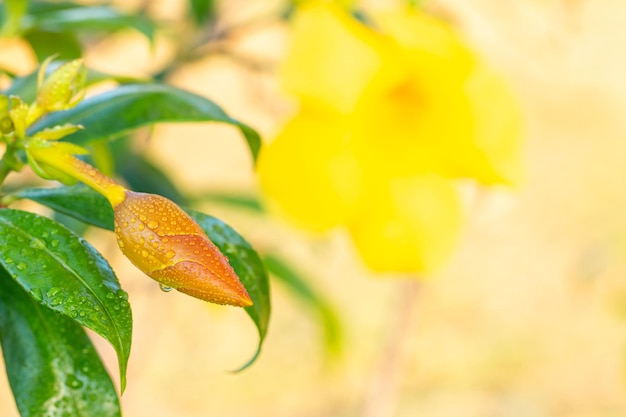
78,201
303,290
202,10
91,18
62,44
64,272
248,266
116,112
52,366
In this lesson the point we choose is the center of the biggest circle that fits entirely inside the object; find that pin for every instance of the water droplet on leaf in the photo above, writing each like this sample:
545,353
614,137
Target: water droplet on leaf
36,244
53,291
73,382
36,294
55,301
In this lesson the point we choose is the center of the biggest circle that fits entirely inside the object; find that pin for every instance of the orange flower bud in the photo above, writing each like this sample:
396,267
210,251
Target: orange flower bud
156,235
170,247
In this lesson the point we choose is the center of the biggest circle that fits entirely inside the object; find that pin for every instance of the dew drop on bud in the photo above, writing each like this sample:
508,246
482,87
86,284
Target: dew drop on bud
152,224
165,288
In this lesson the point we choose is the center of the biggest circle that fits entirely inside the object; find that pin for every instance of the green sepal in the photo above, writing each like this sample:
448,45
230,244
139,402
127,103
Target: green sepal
47,172
57,132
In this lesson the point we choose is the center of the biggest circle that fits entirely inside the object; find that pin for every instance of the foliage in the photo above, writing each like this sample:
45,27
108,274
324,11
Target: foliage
53,281
394,111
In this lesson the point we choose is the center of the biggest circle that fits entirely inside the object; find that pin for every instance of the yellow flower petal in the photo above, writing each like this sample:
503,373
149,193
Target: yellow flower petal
448,114
497,130
308,171
408,225
415,126
332,57
430,43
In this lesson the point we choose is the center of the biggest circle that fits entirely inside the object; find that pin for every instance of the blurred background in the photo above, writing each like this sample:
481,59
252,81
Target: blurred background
528,319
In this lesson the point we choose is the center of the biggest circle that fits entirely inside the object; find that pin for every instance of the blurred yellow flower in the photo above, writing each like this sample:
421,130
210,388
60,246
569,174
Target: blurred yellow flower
391,116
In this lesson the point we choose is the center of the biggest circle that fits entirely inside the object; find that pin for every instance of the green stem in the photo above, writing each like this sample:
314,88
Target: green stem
8,163
4,169
82,171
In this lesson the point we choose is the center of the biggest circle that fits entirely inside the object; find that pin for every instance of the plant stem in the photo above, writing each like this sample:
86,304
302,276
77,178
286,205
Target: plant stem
4,169
82,171
8,163
382,393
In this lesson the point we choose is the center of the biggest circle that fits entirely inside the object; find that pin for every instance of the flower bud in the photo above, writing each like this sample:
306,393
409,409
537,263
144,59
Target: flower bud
169,246
59,90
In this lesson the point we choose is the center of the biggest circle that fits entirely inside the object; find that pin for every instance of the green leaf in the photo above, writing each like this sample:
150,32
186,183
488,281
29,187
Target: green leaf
249,268
52,366
62,44
299,286
90,18
78,201
202,10
64,272
116,112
